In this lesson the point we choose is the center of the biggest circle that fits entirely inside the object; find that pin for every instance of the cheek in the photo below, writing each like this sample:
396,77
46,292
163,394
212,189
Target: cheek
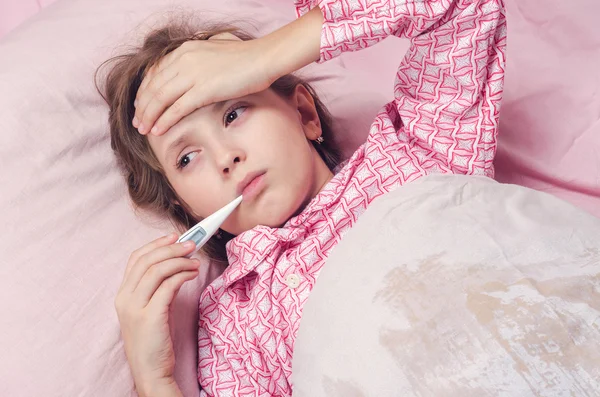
282,140
275,127
293,163
286,149
203,198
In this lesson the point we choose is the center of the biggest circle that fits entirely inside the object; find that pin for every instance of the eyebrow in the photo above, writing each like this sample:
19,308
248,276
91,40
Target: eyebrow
215,108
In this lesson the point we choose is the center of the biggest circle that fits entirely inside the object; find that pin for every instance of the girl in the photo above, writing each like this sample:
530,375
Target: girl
222,117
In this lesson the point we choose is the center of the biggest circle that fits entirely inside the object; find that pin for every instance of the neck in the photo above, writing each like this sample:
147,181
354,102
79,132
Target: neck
322,176
322,181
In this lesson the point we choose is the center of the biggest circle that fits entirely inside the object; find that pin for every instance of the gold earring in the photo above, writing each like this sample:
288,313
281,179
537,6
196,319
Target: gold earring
320,140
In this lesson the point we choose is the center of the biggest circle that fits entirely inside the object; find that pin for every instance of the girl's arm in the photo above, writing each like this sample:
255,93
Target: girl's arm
294,45
449,86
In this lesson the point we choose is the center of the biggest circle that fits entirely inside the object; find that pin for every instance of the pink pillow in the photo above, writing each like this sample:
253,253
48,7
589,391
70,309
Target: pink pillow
549,124
15,12
68,226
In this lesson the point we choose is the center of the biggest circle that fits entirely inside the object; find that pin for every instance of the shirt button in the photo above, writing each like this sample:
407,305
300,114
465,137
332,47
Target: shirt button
292,281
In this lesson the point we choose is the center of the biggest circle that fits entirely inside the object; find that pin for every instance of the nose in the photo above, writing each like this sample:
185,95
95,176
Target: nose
228,158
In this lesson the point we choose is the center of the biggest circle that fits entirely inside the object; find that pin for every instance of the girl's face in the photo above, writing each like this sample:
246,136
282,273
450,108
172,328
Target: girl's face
258,145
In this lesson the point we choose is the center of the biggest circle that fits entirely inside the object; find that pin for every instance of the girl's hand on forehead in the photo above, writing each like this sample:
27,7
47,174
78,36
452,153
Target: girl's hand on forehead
197,74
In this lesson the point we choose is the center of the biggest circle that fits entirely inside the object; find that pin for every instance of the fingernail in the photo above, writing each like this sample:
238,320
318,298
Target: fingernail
188,244
141,128
154,130
172,235
135,103
135,122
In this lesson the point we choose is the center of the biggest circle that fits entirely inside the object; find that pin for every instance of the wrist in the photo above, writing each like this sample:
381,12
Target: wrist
294,45
162,388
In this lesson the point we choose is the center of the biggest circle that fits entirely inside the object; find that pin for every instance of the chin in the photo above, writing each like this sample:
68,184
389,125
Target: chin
275,210
261,221
275,218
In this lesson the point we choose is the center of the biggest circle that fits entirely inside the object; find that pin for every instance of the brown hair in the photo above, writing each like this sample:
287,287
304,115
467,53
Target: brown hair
148,186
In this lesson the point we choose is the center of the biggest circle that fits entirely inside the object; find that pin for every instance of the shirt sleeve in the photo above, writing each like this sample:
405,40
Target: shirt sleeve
449,86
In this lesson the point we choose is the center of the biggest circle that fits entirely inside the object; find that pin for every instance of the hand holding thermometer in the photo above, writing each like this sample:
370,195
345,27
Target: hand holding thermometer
206,228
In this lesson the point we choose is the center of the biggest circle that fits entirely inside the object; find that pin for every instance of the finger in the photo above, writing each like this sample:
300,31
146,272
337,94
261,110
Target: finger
168,59
164,97
159,66
155,256
167,291
136,102
144,95
183,106
158,273
147,78
145,81
159,242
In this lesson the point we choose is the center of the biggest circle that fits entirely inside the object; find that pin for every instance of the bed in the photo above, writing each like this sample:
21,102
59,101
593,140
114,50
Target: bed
69,227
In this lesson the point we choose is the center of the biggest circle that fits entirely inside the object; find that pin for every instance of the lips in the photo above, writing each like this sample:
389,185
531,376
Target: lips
248,179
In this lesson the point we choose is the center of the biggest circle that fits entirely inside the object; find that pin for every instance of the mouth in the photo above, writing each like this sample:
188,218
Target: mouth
251,185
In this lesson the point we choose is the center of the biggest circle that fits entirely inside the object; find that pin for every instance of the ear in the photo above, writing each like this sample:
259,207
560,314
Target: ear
309,117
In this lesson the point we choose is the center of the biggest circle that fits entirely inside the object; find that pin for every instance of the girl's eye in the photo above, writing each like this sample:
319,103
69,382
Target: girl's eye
185,160
233,113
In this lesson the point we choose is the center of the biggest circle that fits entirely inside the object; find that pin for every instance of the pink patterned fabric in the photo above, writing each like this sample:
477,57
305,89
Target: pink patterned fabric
443,119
